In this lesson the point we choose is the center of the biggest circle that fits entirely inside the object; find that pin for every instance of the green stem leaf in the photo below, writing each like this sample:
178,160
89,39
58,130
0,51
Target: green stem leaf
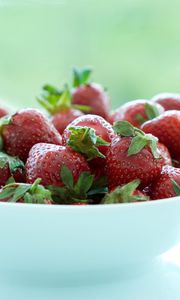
81,76
85,141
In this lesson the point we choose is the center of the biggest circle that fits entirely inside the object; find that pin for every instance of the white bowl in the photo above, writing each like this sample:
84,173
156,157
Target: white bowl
75,241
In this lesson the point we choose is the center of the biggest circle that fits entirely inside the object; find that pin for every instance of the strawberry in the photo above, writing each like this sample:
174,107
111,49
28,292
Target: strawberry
125,193
169,101
26,128
165,154
10,167
90,94
166,128
59,106
90,135
137,112
26,193
167,185
46,160
132,155
62,170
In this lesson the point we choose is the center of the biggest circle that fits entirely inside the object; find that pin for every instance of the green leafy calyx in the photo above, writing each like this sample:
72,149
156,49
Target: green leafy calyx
124,194
13,162
72,192
151,110
139,138
81,76
176,187
55,100
29,193
85,141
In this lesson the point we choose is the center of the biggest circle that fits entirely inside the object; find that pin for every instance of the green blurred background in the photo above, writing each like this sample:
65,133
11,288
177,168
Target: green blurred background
133,45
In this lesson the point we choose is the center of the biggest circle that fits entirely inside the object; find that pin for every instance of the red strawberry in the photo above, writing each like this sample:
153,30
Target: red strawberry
137,112
125,193
64,171
165,154
167,185
3,112
26,128
90,94
58,104
10,167
169,101
133,155
26,193
46,160
90,135
61,119
167,128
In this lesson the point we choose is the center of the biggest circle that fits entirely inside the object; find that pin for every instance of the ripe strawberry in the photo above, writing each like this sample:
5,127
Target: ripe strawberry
165,154
62,170
61,119
90,94
90,135
167,185
10,167
137,112
59,106
26,193
169,101
166,128
133,155
125,193
26,128
46,160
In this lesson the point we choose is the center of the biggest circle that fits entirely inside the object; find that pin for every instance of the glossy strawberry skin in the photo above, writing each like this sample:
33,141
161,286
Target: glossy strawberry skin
28,127
166,128
61,119
162,187
45,161
94,96
5,174
121,168
165,154
130,112
169,101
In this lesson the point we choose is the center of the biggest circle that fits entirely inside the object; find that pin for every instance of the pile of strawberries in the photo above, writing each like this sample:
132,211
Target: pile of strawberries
81,153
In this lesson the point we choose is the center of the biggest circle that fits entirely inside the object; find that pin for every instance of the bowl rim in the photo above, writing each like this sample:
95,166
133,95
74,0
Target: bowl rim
65,207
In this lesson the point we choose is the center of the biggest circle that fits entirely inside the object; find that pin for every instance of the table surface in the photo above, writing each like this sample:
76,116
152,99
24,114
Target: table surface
161,281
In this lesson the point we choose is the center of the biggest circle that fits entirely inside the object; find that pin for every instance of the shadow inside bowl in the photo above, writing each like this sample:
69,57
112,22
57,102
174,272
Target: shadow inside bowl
76,279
